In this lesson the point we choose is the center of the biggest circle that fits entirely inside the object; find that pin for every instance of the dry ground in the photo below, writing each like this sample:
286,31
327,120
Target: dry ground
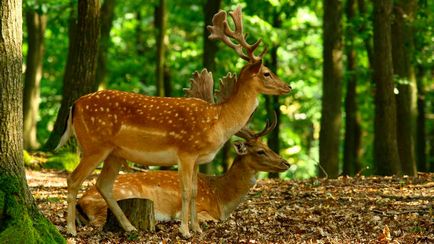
347,210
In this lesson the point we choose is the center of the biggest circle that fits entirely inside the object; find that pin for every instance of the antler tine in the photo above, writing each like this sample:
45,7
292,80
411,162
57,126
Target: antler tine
221,30
268,127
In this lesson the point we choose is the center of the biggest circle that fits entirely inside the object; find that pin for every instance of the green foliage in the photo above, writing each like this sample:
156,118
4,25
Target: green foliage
62,161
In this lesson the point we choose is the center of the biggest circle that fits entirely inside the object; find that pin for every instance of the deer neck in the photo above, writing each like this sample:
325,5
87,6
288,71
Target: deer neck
236,111
232,187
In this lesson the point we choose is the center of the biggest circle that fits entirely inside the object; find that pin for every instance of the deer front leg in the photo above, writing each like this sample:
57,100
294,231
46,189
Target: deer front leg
104,185
195,225
87,164
185,171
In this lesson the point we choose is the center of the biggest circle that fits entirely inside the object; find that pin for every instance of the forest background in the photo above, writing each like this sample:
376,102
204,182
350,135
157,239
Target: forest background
326,52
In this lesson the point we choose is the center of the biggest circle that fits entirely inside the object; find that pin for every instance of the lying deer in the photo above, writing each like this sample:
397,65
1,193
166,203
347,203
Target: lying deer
115,126
217,196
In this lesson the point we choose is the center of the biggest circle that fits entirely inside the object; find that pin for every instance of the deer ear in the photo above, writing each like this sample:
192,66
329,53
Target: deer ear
240,147
256,67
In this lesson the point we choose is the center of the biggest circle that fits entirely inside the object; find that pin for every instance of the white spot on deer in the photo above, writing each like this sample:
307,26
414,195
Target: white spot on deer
101,108
87,106
152,118
97,96
108,97
176,114
108,110
92,119
116,104
170,121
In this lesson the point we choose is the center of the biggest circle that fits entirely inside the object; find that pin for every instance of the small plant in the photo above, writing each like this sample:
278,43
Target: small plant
62,161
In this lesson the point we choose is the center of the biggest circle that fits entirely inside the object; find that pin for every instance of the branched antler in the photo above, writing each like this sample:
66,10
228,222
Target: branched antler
220,30
247,134
227,85
202,85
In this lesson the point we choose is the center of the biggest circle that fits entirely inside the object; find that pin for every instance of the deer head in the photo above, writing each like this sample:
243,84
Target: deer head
260,77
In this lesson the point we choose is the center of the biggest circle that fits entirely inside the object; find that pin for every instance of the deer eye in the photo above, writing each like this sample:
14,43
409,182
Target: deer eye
267,74
260,152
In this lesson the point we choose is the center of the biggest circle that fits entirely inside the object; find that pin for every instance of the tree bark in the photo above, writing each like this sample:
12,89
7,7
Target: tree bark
386,157
160,25
139,211
421,139
402,52
352,118
80,72
20,219
107,15
210,49
332,88
36,23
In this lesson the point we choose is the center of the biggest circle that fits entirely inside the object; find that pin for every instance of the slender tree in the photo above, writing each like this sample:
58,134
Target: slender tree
107,15
36,22
160,25
386,157
352,118
421,140
332,88
272,102
80,71
402,52
210,49
20,219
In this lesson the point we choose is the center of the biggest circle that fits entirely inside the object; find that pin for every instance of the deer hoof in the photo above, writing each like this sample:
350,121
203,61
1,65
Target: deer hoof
197,229
71,230
185,232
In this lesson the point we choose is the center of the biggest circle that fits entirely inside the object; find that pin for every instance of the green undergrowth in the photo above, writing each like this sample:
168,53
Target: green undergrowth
64,160
20,223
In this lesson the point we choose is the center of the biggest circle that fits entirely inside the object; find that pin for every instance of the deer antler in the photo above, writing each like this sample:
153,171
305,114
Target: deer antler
220,30
202,85
227,85
247,134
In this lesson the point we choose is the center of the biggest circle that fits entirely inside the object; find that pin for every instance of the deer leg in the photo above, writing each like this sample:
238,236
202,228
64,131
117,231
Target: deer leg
195,225
104,185
185,171
87,164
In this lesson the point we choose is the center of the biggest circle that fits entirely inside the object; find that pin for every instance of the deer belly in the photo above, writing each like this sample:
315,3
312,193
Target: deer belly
166,157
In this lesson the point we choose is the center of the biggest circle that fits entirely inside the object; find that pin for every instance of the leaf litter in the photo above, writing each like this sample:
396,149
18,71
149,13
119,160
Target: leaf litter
345,210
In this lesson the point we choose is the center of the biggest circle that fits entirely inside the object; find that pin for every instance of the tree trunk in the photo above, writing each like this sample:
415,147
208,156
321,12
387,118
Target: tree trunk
107,15
20,219
80,72
36,24
210,49
332,89
352,119
367,40
139,211
386,156
402,52
160,25
272,102
421,139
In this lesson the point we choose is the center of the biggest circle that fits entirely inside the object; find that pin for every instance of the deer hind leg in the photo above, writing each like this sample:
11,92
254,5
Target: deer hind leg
104,184
87,165
185,170
195,225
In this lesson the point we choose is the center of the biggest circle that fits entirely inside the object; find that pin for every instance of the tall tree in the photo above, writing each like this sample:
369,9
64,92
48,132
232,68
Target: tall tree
402,53
20,219
386,157
331,88
36,22
80,71
107,15
160,25
272,102
210,49
352,119
421,140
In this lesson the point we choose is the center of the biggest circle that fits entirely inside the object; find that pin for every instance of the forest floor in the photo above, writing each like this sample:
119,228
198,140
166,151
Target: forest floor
346,210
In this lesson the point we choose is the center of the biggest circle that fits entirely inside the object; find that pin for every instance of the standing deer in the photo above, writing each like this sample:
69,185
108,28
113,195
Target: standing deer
217,196
114,126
